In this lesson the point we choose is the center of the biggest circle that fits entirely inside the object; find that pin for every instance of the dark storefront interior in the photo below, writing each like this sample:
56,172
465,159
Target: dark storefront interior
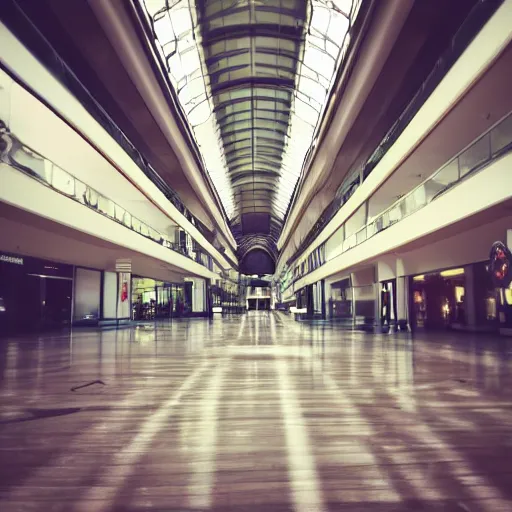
36,294
440,299
259,304
311,299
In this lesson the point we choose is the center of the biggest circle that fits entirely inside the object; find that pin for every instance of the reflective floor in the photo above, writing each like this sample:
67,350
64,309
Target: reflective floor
254,413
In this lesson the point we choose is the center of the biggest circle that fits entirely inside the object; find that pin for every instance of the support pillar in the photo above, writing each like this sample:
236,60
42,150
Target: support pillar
327,298
470,298
402,297
124,290
324,308
402,294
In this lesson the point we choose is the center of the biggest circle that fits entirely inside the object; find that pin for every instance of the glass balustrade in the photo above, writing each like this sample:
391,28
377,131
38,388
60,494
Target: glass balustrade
38,167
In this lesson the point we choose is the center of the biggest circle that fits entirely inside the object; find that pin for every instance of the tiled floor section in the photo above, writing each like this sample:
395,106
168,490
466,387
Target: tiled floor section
255,413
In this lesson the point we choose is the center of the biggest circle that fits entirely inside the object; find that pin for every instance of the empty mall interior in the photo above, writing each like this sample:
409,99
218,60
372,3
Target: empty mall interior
255,255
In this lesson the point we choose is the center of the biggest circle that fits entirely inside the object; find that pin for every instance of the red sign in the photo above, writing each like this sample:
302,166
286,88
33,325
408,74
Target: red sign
124,291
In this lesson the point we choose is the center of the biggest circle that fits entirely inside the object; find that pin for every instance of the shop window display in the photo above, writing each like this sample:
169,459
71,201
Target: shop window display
438,299
340,302
34,294
158,300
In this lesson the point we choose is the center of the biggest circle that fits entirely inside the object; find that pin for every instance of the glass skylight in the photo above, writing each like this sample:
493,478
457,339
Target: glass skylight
253,78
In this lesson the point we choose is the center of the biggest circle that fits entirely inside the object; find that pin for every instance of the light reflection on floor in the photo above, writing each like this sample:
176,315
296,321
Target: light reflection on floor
256,412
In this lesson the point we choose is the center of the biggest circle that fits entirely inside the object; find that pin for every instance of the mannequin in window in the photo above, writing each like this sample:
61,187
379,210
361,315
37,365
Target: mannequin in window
385,311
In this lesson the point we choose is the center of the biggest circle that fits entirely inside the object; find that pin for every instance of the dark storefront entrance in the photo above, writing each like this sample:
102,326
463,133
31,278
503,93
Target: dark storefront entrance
36,294
459,298
340,302
439,299
258,304
311,299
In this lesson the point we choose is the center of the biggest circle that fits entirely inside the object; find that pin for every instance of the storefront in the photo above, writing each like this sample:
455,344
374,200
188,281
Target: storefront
353,299
153,299
340,301
310,300
462,298
439,299
226,298
258,304
35,294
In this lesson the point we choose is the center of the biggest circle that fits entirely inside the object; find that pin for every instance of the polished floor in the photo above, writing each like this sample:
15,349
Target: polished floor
255,413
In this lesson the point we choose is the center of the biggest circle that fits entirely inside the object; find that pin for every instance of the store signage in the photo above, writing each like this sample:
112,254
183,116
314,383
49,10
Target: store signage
11,259
124,291
124,265
499,265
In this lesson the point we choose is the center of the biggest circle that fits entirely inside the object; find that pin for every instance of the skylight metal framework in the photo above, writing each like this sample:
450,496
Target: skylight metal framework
253,78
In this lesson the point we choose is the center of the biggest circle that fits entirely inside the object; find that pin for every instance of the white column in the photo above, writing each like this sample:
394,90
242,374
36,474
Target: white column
401,299
198,295
124,288
109,296
327,298
402,293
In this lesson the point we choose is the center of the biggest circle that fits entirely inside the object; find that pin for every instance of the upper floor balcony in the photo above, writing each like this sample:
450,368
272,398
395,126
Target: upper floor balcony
480,159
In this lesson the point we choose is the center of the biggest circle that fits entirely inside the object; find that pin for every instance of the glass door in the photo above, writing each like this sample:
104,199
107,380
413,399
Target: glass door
163,302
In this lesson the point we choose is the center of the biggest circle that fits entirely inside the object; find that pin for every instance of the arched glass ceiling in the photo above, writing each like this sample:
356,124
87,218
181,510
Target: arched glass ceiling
253,78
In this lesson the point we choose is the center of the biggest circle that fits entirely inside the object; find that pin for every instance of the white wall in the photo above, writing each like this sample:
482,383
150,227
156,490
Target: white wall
386,268
363,277
109,295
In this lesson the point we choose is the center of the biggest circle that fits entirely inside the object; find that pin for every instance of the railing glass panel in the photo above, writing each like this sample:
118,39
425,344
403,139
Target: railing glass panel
501,136
474,156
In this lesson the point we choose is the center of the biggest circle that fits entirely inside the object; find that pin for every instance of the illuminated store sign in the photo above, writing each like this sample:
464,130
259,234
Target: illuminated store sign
11,259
